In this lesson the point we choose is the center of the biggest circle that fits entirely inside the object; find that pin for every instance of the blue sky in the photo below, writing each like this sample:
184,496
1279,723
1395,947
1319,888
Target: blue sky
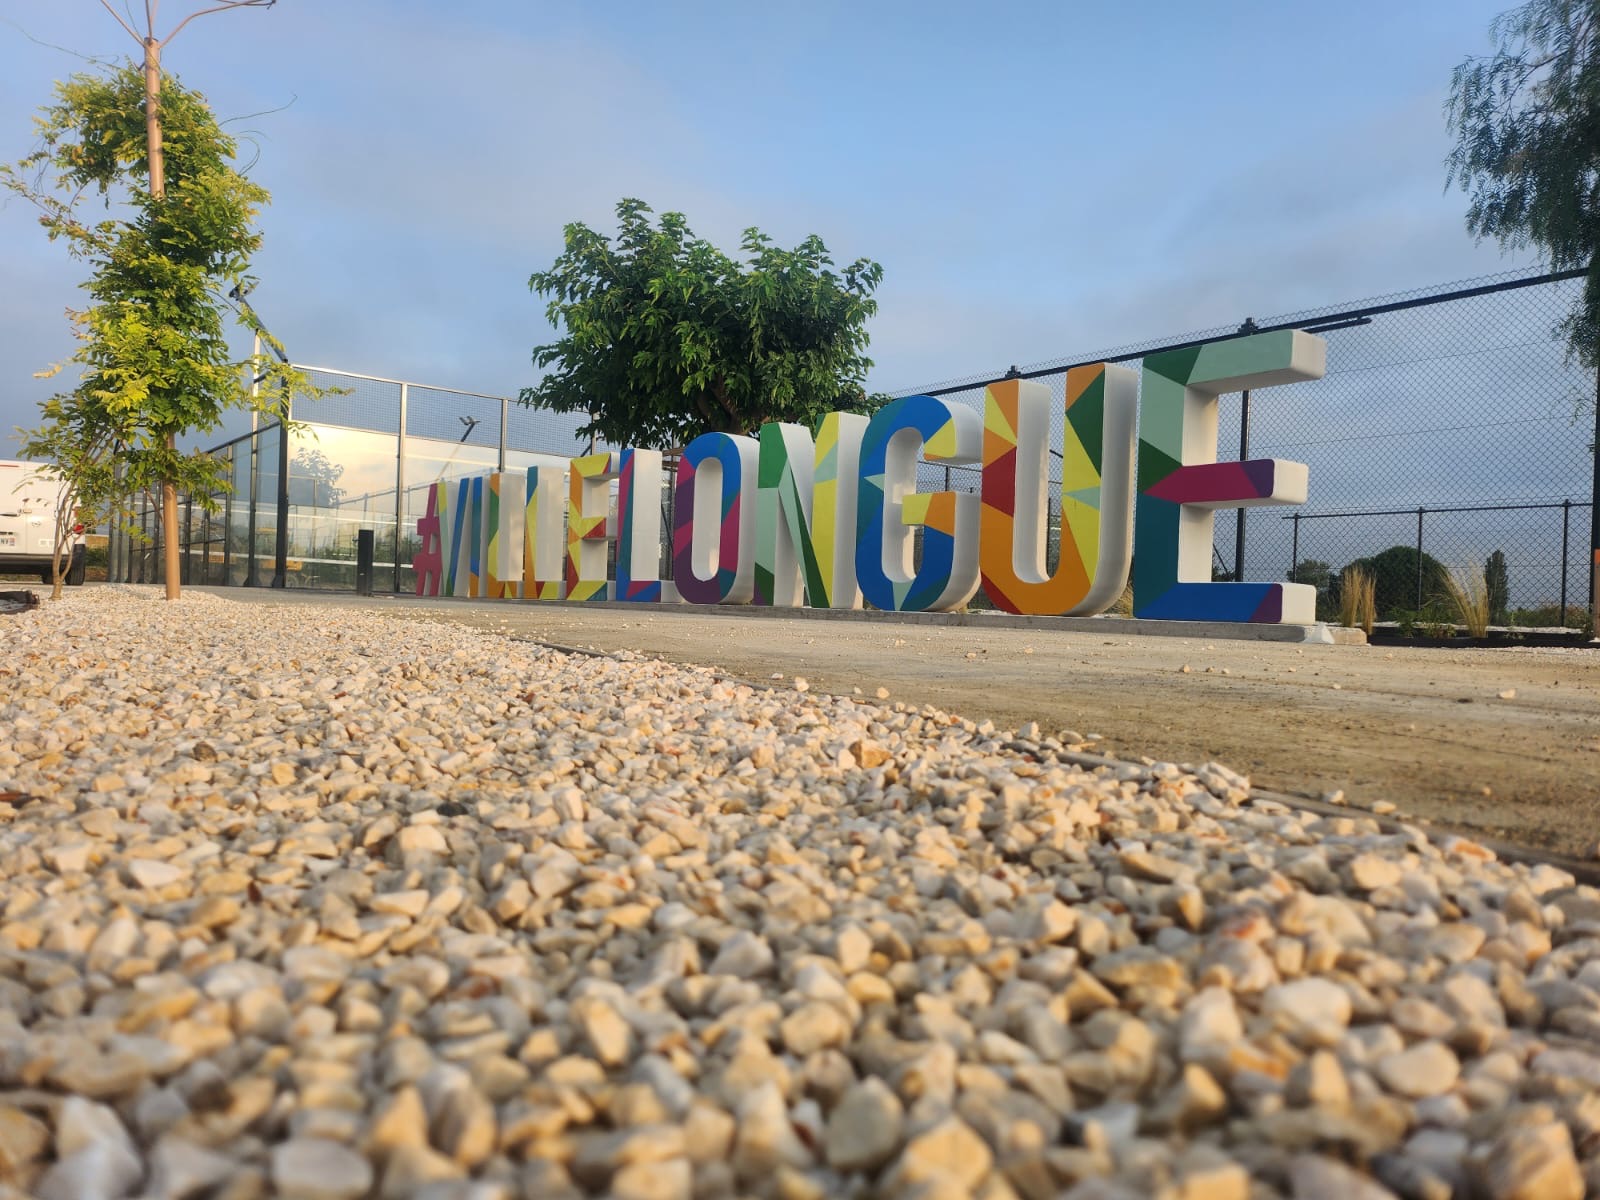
1037,179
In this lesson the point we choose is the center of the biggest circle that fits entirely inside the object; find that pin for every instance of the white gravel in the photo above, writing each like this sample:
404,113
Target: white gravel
323,903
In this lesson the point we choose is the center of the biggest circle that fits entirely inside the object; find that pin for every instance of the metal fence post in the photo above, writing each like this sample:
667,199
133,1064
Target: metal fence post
251,579
1566,525
186,543
280,568
1294,551
1244,454
400,483
1420,511
505,430
1594,518
227,517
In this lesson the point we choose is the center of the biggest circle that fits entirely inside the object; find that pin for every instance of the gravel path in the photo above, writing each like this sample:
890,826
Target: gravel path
359,906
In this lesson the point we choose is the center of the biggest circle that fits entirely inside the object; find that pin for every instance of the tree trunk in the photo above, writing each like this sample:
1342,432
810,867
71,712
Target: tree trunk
169,529
152,118
158,192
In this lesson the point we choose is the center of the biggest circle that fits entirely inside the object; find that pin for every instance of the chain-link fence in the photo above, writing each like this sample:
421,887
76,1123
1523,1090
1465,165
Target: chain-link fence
1451,433
1461,402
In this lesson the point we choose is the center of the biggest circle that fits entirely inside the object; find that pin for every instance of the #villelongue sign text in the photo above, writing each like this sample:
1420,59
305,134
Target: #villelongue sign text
827,521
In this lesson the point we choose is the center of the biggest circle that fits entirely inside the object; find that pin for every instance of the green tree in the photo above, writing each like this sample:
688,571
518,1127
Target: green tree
177,234
79,439
1394,576
666,337
1527,123
1497,583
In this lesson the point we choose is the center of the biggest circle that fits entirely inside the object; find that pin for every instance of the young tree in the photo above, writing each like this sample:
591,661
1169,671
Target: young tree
79,440
1527,122
152,343
666,337
1497,585
1394,573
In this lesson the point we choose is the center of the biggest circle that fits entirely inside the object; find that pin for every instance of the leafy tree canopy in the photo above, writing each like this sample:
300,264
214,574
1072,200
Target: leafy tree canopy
152,342
667,337
1394,578
1497,583
1527,122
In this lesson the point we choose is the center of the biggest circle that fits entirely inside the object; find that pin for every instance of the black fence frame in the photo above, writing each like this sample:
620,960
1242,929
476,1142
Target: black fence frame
1323,322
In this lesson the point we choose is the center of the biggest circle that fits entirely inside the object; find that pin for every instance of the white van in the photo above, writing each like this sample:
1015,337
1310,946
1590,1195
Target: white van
28,496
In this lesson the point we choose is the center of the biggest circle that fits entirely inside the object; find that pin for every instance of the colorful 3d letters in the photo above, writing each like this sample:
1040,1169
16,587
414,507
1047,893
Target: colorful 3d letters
639,513
466,537
428,560
589,526
1181,484
1096,491
887,507
714,527
786,519
806,514
503,520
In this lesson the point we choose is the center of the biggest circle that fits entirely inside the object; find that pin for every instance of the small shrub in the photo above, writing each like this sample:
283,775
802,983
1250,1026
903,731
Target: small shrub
1467,595
1550,616
1435,621
1357,599
1122,606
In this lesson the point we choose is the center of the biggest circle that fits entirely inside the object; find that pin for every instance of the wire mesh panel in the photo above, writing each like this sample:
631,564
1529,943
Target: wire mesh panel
538,430
450,416
1460,402
1461,398
354,401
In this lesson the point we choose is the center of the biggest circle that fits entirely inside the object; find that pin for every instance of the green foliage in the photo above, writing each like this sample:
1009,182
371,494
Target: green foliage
667,337
1497,585
1437,620
1527,122
1394,578
152,342
1551,616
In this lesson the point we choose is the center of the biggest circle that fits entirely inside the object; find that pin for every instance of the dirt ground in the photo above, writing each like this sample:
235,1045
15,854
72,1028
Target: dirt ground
1435,732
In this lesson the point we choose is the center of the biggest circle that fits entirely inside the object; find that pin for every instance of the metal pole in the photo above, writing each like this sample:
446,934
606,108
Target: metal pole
227,515
251,579
400,484
1294,551
1419,559
1594,519
1244,453
280,567
504,432
186,543
1566,524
